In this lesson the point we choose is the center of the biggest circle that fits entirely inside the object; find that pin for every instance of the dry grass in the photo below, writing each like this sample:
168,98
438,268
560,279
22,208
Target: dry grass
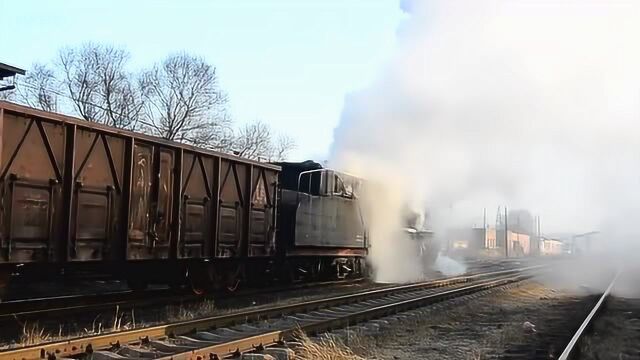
33,334
204,308
326,348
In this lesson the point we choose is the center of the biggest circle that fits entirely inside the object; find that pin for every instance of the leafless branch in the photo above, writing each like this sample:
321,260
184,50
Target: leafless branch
282,147
99,85
8,95
184,102
255,141
79,71
39,88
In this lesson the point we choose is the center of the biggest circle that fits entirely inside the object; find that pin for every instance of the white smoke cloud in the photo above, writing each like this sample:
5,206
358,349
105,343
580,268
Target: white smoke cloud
534,104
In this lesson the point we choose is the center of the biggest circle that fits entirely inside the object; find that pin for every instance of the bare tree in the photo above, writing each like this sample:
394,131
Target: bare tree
216,135
184,102
7,95
79,68
281,147
255,141
39,88
119,96
99,85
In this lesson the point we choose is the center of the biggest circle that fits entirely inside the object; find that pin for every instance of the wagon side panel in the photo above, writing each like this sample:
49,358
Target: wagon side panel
263,202
233,202
96,201
199,196
31,175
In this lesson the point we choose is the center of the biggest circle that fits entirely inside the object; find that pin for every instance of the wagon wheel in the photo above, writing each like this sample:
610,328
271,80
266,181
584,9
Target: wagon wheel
198,281
197,288
235,278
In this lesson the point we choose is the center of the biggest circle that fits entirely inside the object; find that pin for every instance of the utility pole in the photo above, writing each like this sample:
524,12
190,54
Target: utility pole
539,236
484,226
506,234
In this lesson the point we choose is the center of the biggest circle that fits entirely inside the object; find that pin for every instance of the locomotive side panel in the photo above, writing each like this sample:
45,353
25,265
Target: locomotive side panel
329,221
30,188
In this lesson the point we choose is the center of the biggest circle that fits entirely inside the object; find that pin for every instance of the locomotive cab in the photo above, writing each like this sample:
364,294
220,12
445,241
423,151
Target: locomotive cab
321,223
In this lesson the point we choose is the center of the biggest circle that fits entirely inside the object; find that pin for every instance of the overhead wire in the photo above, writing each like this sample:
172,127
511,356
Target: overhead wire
67,96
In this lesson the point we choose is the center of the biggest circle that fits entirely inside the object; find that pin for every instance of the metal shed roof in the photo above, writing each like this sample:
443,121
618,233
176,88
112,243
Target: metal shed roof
8,70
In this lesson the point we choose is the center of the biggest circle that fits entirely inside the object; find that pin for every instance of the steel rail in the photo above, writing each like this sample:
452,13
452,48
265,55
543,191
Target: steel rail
88,344
9,309
48,305
58,304
278,337
571,348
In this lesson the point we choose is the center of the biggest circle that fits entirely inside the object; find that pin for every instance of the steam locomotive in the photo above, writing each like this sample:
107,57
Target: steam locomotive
416,228
80,198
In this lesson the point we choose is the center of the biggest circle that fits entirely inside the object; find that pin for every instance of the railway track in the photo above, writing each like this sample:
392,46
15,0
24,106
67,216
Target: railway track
615,332
64,316
572,348
564,326
610,330
27,308
103,300
254,330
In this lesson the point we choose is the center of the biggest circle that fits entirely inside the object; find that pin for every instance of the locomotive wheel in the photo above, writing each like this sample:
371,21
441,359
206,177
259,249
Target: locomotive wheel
315,271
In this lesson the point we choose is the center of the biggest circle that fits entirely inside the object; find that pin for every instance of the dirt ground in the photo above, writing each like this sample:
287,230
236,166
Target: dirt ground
480,326
616,333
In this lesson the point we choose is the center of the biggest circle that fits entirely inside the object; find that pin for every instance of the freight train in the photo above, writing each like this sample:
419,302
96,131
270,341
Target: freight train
77,197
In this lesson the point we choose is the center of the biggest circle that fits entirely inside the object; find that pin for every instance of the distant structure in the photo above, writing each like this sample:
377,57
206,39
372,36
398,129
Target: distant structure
522,222
522,233
8,71
550,247
583,243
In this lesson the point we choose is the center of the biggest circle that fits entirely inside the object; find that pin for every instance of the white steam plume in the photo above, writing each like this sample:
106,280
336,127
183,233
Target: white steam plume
534,104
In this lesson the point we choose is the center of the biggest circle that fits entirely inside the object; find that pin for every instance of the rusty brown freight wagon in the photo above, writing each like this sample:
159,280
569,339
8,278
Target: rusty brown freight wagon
79,196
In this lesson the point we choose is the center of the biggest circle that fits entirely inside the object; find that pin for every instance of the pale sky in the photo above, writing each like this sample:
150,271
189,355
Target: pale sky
288,63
